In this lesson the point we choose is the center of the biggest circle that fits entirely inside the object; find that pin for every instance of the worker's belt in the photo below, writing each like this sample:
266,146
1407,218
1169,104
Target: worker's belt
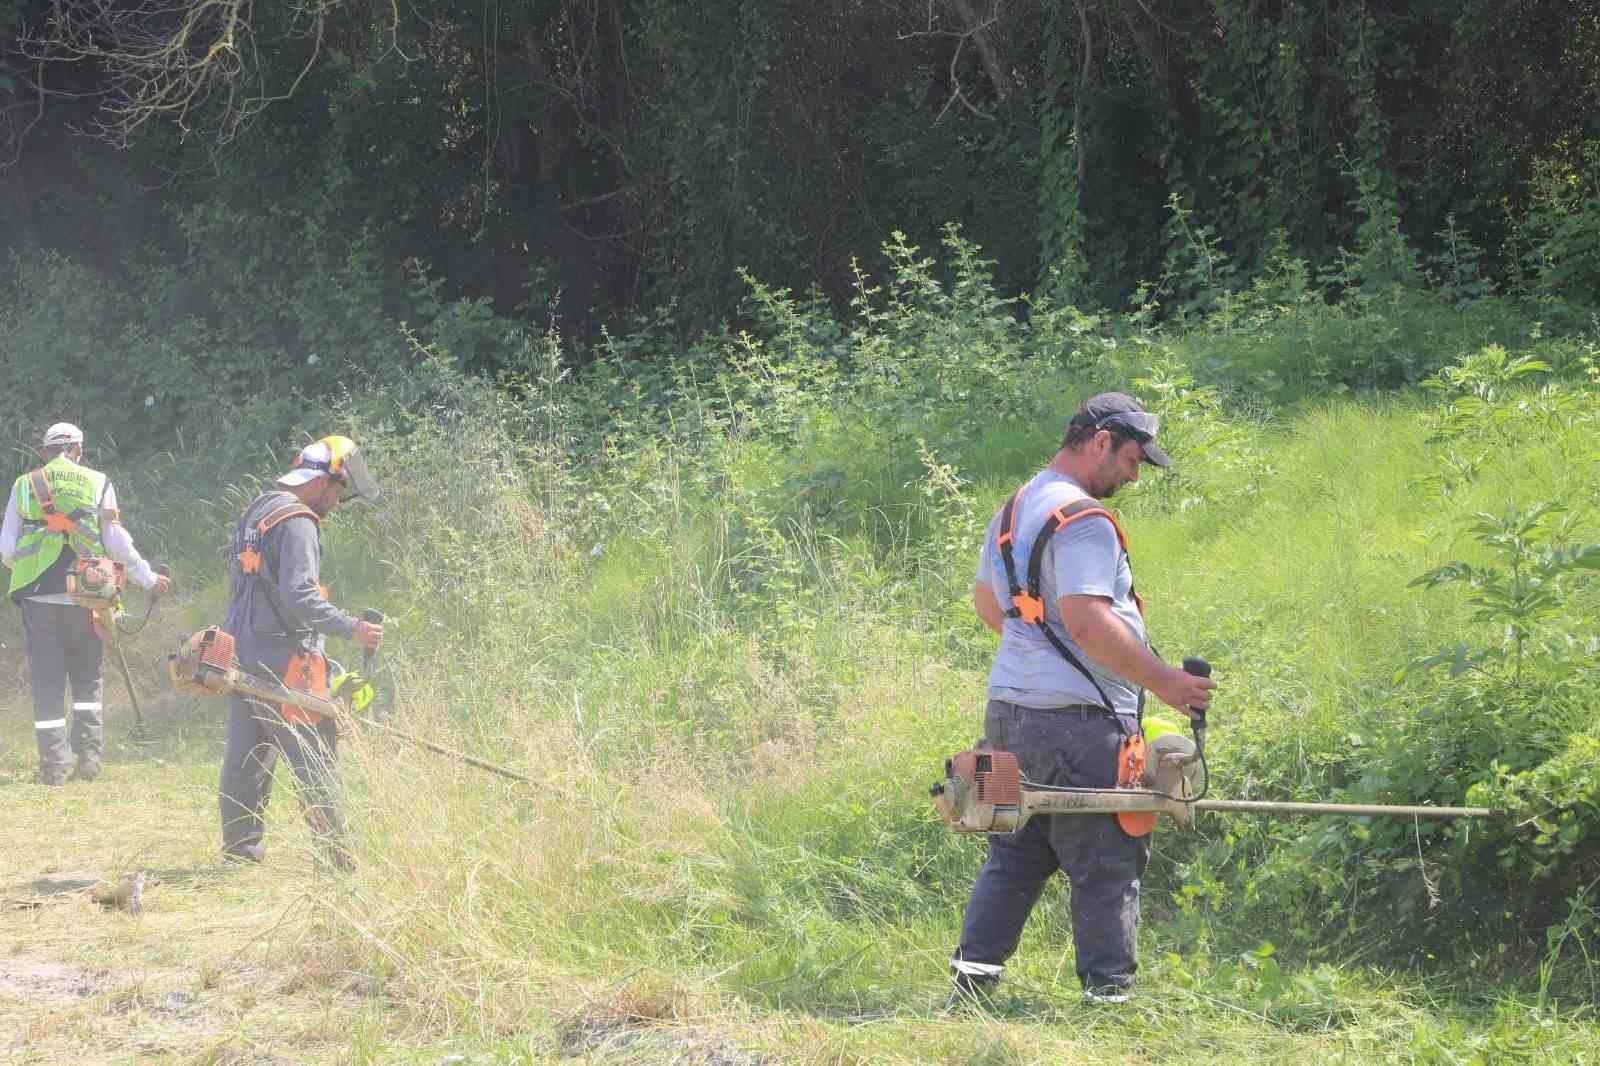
1082,710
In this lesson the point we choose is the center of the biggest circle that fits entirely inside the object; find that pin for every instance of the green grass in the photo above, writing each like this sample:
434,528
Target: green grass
733,658
647,916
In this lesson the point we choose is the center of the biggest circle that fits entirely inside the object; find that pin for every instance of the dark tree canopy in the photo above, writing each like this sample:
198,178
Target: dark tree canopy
633,154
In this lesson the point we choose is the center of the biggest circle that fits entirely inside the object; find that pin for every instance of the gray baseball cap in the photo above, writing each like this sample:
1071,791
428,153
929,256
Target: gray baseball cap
1120,412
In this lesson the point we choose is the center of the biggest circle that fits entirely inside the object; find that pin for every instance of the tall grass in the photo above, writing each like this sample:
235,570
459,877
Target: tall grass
720,613
734,662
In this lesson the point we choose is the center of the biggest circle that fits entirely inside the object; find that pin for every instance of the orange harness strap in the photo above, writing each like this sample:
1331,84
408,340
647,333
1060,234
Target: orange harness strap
1130,774
250,553
1028,605
54,520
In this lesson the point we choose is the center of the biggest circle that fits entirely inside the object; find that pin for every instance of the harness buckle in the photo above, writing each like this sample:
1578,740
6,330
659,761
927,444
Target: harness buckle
1029,608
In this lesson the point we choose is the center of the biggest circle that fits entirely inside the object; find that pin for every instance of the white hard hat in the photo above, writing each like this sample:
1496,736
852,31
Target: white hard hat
62,433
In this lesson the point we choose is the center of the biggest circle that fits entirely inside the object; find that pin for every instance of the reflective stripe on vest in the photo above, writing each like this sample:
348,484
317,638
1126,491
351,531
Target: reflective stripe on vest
76,492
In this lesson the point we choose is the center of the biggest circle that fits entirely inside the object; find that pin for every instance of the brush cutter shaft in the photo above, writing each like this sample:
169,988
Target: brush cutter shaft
198,666
271,691
1106,801
449,753
127,676
1356,810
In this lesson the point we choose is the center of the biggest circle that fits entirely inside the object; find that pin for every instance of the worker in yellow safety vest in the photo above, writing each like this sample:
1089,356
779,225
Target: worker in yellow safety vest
61,515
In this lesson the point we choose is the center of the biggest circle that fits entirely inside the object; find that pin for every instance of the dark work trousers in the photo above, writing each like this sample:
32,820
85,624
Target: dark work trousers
63,649
257,736
1076,747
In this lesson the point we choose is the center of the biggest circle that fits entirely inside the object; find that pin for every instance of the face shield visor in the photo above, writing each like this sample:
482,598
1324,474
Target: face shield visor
354,478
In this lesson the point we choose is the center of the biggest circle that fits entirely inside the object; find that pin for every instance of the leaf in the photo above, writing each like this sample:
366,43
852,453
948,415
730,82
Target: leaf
1443,575
1454,656
1271,980
1526,365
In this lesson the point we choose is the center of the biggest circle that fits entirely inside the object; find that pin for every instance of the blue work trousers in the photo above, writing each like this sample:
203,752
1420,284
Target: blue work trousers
1076,746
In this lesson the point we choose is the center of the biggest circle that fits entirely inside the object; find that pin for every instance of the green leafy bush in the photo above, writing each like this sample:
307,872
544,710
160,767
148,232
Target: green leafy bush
1561,231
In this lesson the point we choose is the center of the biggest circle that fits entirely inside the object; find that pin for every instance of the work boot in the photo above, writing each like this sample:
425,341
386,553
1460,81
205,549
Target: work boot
88,766
1105,995
51,775
244,853
335,857
969,992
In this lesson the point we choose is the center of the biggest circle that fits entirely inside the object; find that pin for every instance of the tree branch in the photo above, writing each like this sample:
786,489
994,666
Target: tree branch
1085,61
169,58
988,53
989,56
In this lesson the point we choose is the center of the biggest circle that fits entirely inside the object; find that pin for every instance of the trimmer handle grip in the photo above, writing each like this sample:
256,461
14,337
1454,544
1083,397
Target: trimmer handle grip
1199,668
372,616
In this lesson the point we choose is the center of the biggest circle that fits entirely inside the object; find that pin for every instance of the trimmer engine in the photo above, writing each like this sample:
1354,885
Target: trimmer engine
96,584
202,663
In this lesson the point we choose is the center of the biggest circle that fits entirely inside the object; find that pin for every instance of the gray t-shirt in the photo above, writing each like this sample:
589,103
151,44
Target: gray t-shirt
1084,559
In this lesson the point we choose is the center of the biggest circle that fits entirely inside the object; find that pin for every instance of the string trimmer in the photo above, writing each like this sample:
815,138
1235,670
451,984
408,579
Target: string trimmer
96,585
984,791
205,664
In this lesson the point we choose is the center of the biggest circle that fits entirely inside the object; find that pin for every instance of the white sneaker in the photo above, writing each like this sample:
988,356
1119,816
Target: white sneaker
1106,996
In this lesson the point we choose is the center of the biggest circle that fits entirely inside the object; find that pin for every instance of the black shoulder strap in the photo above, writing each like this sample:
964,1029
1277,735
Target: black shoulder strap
266,581
1006,539
1027,604
1059,518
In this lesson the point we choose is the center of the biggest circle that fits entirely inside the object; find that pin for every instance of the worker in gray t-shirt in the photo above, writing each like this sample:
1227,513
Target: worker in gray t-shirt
1065,690
1084,559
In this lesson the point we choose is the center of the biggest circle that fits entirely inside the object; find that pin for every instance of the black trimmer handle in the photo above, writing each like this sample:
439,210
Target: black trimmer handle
372,616
161,570
1199,668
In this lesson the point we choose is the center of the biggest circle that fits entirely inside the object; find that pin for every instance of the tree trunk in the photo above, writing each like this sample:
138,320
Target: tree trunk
989,53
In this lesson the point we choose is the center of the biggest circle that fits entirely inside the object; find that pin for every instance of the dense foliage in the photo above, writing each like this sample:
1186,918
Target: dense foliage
289,164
